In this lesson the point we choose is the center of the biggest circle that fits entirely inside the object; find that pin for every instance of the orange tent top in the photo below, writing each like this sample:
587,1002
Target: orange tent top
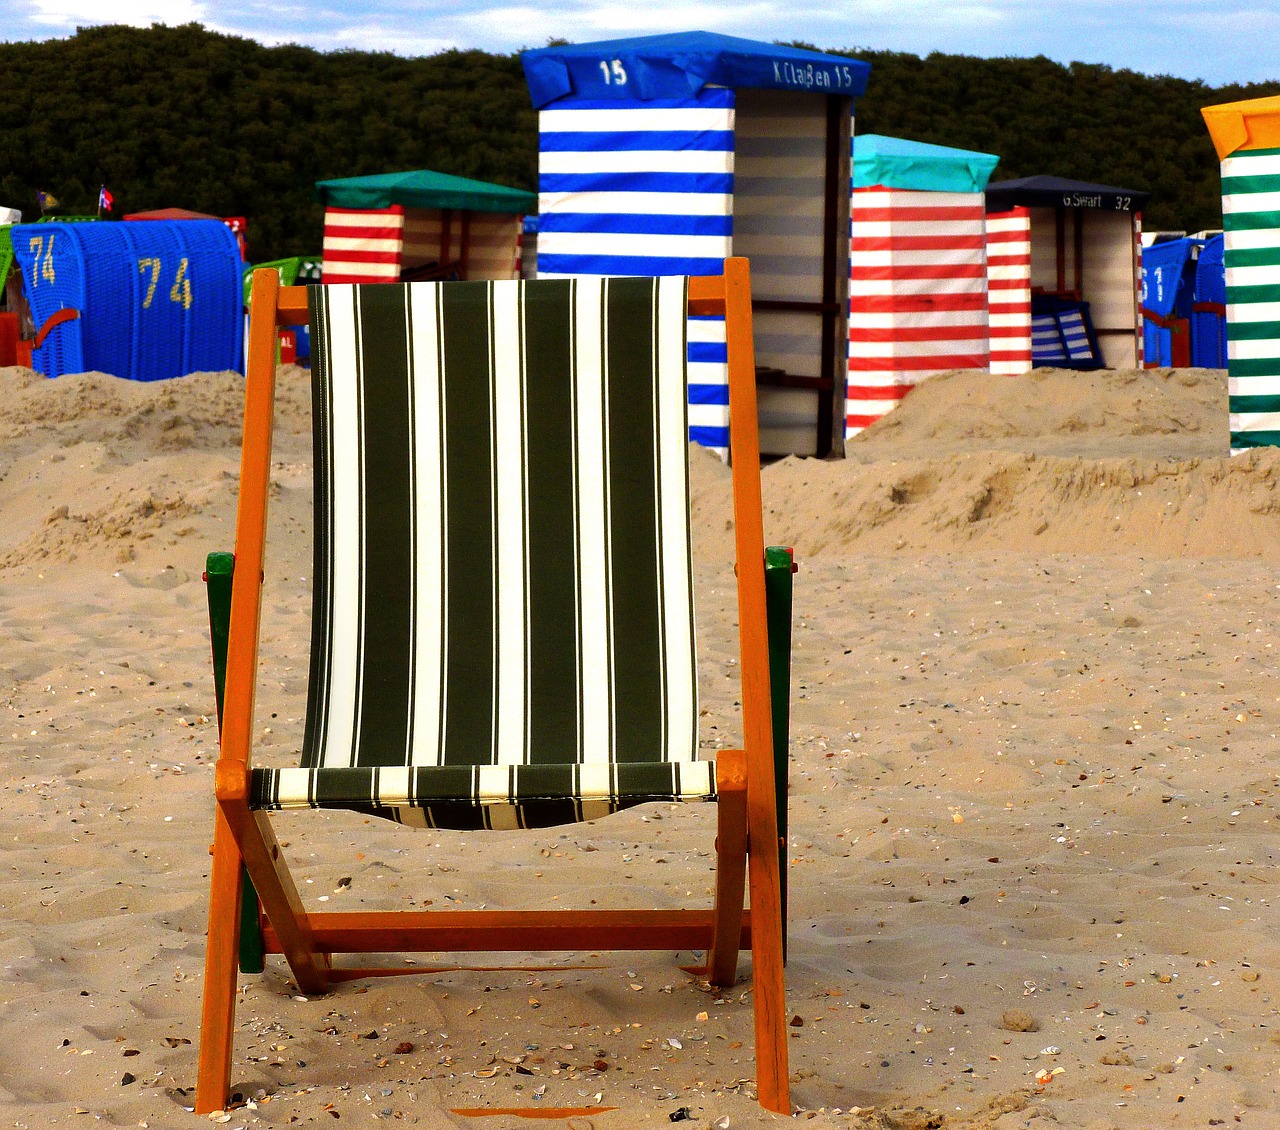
1252,124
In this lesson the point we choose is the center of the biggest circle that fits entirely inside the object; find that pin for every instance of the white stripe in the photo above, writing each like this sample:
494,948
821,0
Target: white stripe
633,121
428,527
707,329
333,244
1003,224
1264,350
1012,368
1258,239
941,347
913,257
363,220
638,203
1247,165
1251,276
681,673
341,737
1253,312
1241,203
1007,272
371,271
708,415
618,243
866,320
511,550
638,161
878,288
999,320
1253,386
1254,422
593,557
899,228
708,373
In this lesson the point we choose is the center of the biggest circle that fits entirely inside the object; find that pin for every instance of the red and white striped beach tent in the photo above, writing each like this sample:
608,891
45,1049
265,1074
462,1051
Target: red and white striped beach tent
917,270
1066,274
422,224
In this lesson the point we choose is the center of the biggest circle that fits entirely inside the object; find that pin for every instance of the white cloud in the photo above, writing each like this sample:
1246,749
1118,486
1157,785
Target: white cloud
137,13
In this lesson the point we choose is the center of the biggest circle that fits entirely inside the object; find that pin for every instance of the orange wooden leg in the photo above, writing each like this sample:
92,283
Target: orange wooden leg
277,893
218,1016
766,959
731,867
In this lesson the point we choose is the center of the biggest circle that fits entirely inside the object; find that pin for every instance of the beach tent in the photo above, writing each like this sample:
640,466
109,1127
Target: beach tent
1209,309
664,155
420,225
1168,293
238,224
1083,267
1247,138
141,301
917,263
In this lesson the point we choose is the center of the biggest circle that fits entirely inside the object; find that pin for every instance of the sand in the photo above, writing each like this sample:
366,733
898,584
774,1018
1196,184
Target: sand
1033,795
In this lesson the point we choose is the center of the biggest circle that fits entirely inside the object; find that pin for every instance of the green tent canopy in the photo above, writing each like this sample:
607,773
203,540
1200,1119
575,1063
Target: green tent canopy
424,189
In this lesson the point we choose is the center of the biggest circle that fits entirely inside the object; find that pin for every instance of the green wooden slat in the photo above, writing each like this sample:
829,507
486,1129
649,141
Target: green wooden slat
778,599
219,571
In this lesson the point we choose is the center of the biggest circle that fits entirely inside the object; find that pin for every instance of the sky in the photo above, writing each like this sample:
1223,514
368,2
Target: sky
1218,41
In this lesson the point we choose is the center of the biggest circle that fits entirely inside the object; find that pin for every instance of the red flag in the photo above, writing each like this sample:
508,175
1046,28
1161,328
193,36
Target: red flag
105,199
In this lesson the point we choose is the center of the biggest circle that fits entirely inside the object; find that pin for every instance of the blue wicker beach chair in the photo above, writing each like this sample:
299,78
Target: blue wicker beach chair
502,628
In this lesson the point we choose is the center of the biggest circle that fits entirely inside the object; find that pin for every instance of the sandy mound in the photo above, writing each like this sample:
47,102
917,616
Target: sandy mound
116,471
1166,413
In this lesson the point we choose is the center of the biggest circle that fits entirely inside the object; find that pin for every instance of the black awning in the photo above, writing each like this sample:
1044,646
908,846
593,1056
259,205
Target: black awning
1059,192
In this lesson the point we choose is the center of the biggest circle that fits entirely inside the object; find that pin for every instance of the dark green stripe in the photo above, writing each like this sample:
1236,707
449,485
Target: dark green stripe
1264,367
1243,295
1253,403
322,557
470,695
1255,256
387,502
1255,439
1248,183
1250,221
1255,331
553,683
638,698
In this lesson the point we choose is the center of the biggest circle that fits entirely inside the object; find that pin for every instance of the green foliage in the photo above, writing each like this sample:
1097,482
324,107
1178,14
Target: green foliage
185,117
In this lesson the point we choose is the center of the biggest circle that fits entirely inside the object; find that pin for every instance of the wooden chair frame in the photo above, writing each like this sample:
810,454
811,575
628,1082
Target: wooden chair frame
248,858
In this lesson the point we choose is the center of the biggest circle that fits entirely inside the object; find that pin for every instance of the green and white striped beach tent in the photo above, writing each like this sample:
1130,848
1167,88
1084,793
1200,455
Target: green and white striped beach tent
1247,138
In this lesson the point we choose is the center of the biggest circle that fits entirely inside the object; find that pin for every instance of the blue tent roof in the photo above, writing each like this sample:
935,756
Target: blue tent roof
681,64
897,163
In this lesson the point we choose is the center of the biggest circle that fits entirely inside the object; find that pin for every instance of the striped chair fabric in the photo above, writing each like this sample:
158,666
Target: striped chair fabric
503,624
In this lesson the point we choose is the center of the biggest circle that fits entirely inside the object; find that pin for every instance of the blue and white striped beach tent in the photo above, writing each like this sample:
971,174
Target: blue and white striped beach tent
664,155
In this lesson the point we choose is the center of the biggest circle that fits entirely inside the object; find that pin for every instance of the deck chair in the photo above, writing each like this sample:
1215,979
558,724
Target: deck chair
502,626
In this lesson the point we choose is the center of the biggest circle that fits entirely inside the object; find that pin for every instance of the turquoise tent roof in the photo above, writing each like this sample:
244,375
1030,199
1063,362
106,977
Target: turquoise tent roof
681,64
897,163
424,189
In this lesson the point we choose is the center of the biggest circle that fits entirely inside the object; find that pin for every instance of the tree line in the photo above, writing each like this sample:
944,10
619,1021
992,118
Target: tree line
186,117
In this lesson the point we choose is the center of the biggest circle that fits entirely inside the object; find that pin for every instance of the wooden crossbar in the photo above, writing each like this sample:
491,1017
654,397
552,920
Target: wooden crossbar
497,931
